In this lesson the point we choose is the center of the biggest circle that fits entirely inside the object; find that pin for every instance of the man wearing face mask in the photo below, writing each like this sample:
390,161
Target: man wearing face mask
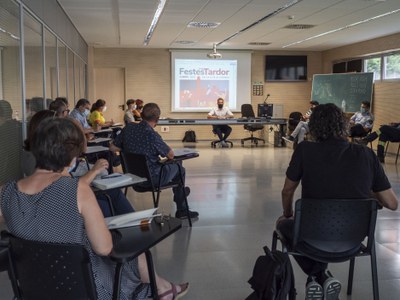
129,117
81,113
221,112
361,122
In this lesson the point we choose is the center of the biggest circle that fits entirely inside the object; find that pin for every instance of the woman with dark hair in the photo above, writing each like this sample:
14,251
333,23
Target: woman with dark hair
38,208
96,118
137,112
330,167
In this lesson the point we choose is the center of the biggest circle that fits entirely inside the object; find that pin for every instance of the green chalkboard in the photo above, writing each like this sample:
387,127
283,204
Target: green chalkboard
346,90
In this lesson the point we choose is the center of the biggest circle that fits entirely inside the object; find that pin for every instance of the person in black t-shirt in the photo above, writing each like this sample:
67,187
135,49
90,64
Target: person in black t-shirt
330,167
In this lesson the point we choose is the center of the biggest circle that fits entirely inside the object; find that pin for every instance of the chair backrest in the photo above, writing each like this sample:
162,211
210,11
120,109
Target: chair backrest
247,111
332,230
50,271
135,164
295,117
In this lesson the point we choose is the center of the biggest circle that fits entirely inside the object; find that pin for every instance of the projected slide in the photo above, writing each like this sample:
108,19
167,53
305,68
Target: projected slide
199,83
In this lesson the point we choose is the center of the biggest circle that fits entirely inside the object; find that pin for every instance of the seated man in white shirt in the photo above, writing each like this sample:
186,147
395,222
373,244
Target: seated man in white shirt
221,112
80,113
361,122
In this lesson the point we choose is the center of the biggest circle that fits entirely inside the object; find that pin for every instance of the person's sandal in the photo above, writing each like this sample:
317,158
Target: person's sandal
175,295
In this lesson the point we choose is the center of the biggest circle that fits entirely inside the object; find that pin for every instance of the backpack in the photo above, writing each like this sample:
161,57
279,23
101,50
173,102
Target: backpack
272,277
190,137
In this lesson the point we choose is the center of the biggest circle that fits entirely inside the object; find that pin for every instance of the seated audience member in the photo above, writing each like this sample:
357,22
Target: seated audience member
361,122
129,117
142,139
65,200
59,108
322,167
96,118
81,113
63,99
120,203
302,127
137,113
386,133
221,112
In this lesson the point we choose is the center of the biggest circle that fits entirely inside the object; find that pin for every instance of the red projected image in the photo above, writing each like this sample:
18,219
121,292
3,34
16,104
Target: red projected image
202,93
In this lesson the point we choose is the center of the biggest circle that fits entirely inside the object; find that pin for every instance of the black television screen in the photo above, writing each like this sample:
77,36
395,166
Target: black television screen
286,68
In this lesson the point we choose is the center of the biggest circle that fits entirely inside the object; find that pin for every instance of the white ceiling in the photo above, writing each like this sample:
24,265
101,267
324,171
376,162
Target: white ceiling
124,23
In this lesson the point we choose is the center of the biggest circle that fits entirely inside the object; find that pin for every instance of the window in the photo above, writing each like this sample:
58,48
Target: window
392,66
373,65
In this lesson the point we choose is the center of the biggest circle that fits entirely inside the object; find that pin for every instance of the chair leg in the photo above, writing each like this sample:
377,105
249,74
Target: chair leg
397,155
117,281
375,286
274,240
152,277
110,204
350,279
184,195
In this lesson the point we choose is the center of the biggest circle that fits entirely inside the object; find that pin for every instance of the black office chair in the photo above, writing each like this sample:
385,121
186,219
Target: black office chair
248,112
334,230
137,164
294,119
40,270
387,146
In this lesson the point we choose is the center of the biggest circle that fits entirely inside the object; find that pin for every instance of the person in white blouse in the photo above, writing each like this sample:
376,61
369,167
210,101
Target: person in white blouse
221,112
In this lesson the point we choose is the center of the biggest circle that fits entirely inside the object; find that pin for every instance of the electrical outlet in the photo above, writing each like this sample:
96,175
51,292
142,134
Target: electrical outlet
164,128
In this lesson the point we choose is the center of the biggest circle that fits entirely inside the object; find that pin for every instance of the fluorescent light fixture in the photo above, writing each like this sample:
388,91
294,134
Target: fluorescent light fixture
343,28
156,17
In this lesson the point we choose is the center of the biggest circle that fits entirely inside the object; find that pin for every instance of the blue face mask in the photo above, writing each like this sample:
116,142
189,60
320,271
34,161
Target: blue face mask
363,110
86,113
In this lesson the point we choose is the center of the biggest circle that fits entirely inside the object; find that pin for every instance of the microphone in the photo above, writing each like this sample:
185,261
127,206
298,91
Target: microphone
265,101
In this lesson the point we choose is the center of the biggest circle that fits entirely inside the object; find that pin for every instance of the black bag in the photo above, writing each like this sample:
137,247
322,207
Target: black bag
190,137
272,277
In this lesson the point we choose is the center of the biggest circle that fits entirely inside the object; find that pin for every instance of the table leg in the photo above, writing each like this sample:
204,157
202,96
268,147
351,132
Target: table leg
117,281
152,276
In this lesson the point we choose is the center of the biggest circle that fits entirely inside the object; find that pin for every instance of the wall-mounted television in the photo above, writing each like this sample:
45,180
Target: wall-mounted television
285,68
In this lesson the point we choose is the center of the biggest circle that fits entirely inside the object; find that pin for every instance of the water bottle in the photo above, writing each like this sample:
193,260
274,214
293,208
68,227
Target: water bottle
343,105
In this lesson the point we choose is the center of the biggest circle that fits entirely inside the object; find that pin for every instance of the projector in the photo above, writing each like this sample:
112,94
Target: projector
214,55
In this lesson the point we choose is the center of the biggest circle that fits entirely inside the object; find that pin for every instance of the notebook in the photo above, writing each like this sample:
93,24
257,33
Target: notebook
111,181
136,218
185,152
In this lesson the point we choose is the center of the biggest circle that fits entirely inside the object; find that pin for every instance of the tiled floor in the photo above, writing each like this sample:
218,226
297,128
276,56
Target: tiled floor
237,193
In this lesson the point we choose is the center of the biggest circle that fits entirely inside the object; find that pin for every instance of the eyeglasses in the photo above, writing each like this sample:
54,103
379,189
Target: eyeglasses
161,220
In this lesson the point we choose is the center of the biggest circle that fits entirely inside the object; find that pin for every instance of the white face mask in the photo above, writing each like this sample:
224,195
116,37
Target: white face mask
105,108
134,107
86,112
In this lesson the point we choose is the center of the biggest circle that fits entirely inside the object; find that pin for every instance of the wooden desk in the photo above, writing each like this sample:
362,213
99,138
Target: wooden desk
130,242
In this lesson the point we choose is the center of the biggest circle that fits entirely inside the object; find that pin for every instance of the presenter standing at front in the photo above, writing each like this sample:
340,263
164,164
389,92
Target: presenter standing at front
221,112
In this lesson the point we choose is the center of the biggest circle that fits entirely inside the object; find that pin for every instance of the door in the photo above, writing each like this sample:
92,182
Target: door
109,85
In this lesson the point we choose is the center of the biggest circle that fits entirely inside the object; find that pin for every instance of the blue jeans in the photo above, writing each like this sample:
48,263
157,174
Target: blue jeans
120,203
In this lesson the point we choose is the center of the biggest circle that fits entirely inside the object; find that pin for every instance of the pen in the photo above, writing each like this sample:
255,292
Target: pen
110,176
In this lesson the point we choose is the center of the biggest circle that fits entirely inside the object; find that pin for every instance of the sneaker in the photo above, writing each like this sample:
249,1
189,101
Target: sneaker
332,288
381,159
224,144
289,138
181,214
314,290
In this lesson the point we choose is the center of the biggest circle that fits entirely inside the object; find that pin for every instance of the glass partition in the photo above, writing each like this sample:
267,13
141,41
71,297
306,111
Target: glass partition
50,44
10,93
62,70
71,81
